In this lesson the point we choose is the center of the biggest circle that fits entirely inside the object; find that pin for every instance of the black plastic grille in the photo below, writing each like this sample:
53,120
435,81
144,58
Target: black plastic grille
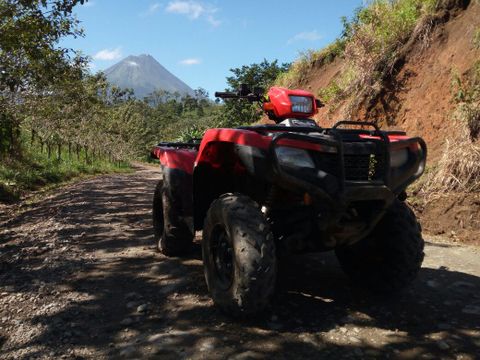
358,167
363,167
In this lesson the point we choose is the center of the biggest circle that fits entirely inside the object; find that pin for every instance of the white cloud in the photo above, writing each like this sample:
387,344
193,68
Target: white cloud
132,63
192,61
190,8
306,36
213,21
194,10
152,9
108,54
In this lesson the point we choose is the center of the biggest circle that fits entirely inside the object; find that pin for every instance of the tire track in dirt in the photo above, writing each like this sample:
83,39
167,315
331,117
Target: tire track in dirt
79,278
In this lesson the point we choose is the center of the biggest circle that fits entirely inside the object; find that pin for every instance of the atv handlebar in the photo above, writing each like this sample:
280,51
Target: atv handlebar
244,92
226,95
232,95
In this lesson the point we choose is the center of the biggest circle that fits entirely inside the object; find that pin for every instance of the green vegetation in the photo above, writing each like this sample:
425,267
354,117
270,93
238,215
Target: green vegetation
298,71
181,119
264,74
332,91
371,45
36,170
466,94
476,39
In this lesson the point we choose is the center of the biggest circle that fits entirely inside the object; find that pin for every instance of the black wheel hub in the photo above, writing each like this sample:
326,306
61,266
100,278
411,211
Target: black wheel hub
222,253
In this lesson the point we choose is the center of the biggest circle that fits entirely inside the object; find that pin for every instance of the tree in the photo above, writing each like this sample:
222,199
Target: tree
263,75
30,32
30,57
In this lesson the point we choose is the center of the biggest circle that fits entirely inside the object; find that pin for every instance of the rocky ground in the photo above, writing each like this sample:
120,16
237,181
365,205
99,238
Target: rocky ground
79,278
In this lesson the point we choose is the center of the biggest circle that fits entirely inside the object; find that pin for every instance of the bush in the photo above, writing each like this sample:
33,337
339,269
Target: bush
191,133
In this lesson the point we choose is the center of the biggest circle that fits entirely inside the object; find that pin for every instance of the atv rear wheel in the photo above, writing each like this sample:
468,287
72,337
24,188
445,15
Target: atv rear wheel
389,258
238,255
170,240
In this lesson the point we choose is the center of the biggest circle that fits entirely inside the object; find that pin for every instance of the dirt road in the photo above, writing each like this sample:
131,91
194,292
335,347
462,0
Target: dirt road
79,278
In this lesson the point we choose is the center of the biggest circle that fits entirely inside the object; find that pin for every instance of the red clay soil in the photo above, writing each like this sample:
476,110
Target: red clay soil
455,216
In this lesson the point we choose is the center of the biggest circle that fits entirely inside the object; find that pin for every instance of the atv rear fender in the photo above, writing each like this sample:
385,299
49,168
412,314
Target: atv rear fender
177,162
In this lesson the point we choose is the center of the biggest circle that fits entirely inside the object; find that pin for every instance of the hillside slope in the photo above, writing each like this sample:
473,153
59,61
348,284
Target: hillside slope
418,96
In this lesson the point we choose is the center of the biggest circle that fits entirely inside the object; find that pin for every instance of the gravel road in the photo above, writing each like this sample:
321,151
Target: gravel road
79,278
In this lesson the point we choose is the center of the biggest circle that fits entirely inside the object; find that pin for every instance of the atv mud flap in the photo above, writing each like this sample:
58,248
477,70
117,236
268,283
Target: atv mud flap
178,210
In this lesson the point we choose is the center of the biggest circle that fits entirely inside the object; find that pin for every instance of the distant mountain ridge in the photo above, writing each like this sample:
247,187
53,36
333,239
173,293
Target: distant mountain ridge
144,75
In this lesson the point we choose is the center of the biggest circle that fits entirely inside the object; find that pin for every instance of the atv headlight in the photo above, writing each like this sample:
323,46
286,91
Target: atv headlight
398,158
301,104
293,157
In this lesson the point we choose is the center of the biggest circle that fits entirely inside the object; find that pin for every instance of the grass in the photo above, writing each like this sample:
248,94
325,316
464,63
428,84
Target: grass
309,59
378,35
35,171
298,70
458,169
332,91
476,38
466,94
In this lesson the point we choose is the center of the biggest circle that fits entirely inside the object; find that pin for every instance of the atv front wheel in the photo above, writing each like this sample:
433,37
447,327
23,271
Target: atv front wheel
238,255
389,258
171,238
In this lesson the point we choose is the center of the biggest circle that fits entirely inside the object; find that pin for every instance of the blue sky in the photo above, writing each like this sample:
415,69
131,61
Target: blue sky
199,41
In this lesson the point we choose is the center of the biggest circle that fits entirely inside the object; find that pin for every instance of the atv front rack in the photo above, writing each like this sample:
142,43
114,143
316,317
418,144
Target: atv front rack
382,187
378,194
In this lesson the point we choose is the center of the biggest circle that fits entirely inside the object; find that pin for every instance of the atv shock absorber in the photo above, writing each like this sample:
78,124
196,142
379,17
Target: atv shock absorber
270,200
290,219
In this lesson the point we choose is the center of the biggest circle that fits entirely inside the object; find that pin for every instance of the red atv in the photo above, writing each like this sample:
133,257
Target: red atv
262,191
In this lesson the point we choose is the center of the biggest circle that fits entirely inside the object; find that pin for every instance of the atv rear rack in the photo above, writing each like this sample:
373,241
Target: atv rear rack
195,144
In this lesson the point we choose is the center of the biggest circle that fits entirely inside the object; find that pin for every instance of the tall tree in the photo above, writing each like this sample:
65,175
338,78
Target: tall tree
263,75
31,59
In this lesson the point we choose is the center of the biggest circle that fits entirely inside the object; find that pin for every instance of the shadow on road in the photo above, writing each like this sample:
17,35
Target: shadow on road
88,251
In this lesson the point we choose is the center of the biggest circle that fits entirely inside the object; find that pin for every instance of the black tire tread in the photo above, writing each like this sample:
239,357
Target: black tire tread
254,279
170,240
390,258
